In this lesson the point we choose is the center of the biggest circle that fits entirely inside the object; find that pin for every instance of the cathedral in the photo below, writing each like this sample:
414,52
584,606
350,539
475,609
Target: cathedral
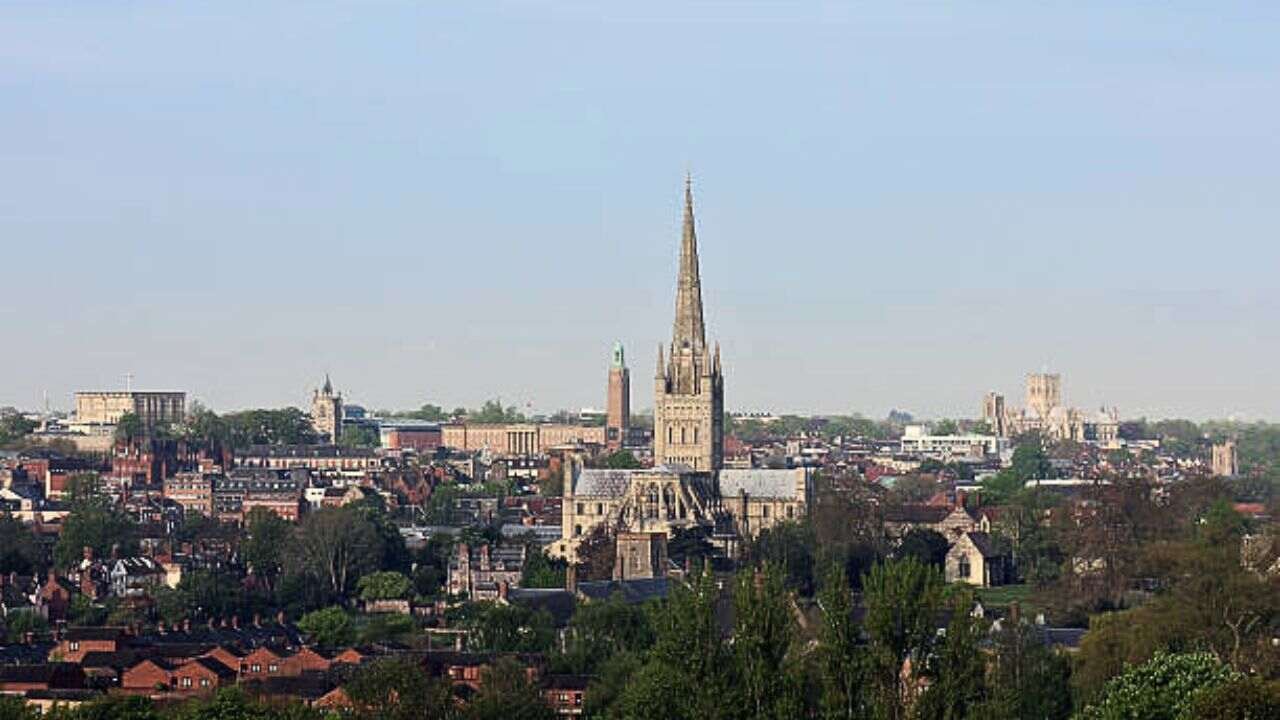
687,487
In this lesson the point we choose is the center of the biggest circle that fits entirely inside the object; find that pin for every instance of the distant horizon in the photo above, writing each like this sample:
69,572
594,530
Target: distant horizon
899,206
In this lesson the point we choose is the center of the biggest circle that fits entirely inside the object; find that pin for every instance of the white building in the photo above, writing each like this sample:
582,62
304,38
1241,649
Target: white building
917,441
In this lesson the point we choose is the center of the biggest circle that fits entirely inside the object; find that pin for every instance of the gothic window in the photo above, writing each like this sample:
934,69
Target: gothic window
671,434
695,434
683,439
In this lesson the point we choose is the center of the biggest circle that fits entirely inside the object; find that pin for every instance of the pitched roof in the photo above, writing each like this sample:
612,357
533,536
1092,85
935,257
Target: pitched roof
984,543
603,483
913,513
762,483
632,591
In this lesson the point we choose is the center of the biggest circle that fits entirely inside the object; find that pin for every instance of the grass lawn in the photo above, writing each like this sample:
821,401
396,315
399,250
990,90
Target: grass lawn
1000,597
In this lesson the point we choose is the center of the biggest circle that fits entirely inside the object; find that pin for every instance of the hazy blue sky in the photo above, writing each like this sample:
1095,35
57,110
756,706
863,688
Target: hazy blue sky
901,205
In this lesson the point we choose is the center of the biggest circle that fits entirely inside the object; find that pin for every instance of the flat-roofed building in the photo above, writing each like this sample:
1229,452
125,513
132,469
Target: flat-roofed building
107,407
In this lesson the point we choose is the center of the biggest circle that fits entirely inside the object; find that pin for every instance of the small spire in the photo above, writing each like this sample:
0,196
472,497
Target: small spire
716,363
328,386
662,368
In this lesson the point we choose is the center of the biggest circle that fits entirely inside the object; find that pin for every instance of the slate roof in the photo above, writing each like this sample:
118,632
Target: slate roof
925,514
984,543
603,483
632,591
760,483
557,602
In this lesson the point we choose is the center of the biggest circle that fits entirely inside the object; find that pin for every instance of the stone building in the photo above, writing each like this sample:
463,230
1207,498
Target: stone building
640,555
509,439
1225,462
688,415
618,410
106,408
1044,413
760,499
975,559
687,487
326,412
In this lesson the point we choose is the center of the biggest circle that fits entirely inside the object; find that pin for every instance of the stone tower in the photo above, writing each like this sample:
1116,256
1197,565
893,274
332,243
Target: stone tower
618,422
994,414
688,408
1225,461
1044,393
326,412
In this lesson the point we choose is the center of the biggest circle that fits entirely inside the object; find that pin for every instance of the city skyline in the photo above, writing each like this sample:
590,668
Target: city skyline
911,221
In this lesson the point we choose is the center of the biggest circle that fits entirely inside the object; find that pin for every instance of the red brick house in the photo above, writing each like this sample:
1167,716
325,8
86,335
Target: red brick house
200,675
78,641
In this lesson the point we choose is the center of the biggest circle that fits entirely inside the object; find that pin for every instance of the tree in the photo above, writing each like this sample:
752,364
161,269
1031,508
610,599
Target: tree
494,412
19,551
842,660
621,460
689,671
359,436
509,628
902,598
924,544
333,547
385,585
789,547
1027,679
263,542
13,426
398,689
507,693
93,522
541,571
957,668
946,427
129,428
330,627
596,554
287,426
1164,688
600,630
233,704
762,638
200,594
114,707
1030,461
387,627
1241,699
14,707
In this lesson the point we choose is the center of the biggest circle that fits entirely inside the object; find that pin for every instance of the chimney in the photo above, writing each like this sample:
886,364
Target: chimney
210,622
502,590
186,625
571,578
280,619
257,620
160,627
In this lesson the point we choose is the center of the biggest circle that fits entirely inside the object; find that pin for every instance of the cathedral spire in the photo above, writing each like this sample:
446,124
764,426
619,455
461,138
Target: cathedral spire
688,330
328,386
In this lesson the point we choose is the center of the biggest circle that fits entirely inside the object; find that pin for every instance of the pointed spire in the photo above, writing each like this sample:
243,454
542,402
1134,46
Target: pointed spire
662,368
688,329
328,386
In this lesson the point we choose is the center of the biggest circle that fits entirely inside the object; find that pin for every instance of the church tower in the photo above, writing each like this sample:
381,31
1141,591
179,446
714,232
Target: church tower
618,419
688,408
326,412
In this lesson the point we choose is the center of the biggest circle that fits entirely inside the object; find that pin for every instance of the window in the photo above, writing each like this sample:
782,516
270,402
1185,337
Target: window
185,682
577,530
256,667
791,512
580,509
671,435
765,511
204,682
695,434
682,436
74,645
273,668
599,508
963,570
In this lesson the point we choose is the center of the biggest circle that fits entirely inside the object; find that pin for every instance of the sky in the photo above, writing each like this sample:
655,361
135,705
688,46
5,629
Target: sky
900,204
